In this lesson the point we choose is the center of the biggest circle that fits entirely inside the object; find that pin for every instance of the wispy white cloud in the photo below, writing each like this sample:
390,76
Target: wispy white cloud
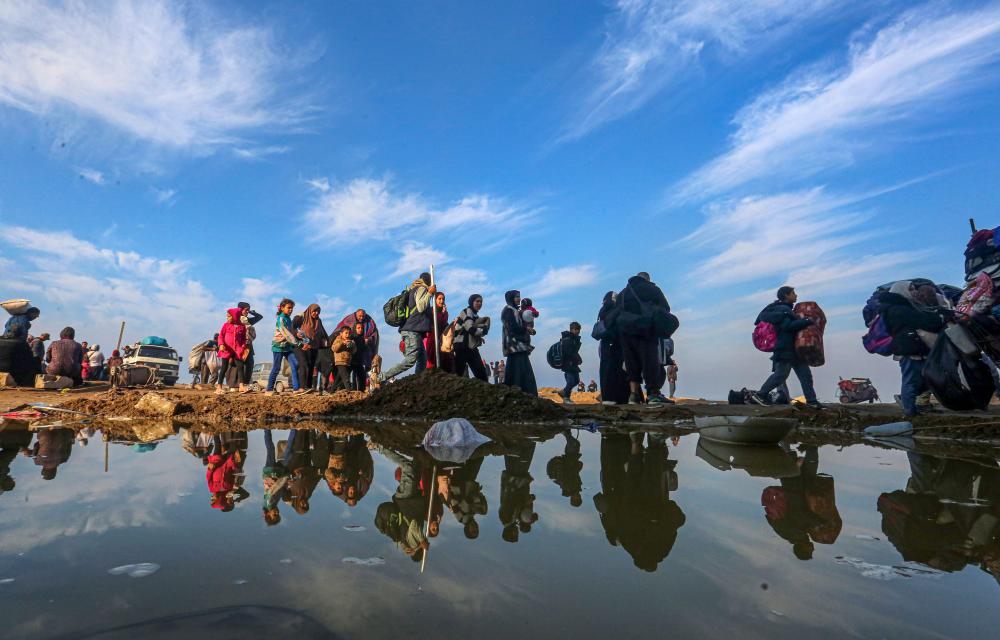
819,117
260,292
416,257
652,44
164,196
558,279
146,69
258,153
78,283
91,175
367,209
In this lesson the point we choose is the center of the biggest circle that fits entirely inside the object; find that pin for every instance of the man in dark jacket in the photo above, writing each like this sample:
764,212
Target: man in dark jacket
783,358
906,308
420,306
571,360
640,341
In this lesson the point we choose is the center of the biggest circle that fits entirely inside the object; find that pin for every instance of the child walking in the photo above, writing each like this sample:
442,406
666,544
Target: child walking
282,347
233,352
344,348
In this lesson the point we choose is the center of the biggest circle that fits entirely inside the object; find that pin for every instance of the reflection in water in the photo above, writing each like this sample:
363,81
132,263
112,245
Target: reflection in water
517,503
52,448
403,517
634,503
565,470
350,468
803,510
948,515
463,495
224,470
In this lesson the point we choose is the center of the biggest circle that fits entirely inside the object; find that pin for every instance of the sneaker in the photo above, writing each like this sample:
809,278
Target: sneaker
659,399
815,405
633,398
755,398
567,400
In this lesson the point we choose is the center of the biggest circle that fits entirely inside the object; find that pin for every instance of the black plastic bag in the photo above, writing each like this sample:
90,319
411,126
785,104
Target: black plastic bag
958,382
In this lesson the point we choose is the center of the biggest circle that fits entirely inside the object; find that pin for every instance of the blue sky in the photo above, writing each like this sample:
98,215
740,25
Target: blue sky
163,160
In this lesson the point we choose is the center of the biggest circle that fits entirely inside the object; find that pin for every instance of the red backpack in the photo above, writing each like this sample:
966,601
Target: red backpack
765,337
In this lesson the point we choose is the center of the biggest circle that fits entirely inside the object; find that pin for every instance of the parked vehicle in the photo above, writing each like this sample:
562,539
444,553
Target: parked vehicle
161,358
261,372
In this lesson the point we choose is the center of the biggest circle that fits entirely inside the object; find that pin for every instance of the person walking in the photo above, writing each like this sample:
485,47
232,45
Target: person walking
314,340
282,348
784,359
418,323
248,319
343,351
570,346
470,329
643,319
432,347
910,306
232,351
517,346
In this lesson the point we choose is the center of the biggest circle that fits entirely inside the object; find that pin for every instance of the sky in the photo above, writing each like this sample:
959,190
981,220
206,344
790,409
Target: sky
163,160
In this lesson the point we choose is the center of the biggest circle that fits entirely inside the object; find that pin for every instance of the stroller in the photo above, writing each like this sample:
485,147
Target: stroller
856,390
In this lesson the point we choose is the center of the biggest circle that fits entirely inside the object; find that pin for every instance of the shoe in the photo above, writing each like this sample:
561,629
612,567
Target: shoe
300,392
659,399
567,400
756,398
633,398
815,405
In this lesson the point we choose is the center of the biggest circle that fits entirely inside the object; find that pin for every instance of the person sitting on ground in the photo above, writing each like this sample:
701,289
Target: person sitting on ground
343,352
592,387
417,324
282,348
18,327
784,359
581,387
65,357
528,315
638,333
38,350
96,360
233,350
571,360
470,329
910,306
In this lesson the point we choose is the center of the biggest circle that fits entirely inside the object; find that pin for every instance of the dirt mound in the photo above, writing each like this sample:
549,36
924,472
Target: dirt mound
435,395
579,397
210,407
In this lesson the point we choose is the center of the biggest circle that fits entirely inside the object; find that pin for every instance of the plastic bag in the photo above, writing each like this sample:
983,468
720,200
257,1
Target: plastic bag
453,440
959,383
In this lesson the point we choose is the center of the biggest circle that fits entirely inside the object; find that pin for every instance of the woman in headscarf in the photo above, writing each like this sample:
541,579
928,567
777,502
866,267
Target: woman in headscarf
315,341
517,346
441,309
370,335
614,384
470,330
233,351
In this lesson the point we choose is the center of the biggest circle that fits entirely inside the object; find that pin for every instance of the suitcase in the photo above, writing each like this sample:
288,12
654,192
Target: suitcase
809,341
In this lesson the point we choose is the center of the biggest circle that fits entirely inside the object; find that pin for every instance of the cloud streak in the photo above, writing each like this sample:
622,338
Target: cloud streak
558,279
817,119
652,44
144,69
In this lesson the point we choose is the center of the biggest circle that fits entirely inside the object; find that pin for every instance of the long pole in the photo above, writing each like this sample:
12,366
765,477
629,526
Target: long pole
434,317
427,522
121,333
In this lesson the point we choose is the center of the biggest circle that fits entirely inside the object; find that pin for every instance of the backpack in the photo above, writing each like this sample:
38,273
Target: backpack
765,337
878,340
397,309
652,319
554,356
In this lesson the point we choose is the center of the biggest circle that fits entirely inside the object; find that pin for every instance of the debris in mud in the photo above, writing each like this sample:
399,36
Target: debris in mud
436,395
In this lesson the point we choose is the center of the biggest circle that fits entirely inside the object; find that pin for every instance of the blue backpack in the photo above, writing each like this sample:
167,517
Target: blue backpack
878,340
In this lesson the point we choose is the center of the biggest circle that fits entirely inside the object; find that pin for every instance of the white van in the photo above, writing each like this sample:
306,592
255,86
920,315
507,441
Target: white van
164,360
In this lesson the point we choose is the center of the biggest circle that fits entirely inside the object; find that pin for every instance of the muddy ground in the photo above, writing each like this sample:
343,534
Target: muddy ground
434,396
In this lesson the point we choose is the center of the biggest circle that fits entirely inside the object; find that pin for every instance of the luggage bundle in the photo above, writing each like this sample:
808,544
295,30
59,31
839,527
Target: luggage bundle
809,341
856,390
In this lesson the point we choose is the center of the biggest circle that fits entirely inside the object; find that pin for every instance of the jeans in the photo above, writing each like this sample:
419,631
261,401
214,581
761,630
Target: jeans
276,369
781,369
913,384
572,379
414,354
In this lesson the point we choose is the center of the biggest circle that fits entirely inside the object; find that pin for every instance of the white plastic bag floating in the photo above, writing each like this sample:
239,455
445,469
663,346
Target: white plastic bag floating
453,440
889,430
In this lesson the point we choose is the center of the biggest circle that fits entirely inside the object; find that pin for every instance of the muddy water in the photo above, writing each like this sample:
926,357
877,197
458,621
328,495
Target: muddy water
579,536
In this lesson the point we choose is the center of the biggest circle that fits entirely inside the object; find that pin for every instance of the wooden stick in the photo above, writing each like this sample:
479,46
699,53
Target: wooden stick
434,318
105,456
121,334
430,507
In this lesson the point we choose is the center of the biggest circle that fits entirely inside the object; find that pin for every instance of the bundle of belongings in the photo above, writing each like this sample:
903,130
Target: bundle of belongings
855,390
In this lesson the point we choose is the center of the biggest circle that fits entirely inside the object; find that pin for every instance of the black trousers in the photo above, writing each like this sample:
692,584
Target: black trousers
642,362
324,364
230,371
343,380
359,375
307,362
466,357
248,367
